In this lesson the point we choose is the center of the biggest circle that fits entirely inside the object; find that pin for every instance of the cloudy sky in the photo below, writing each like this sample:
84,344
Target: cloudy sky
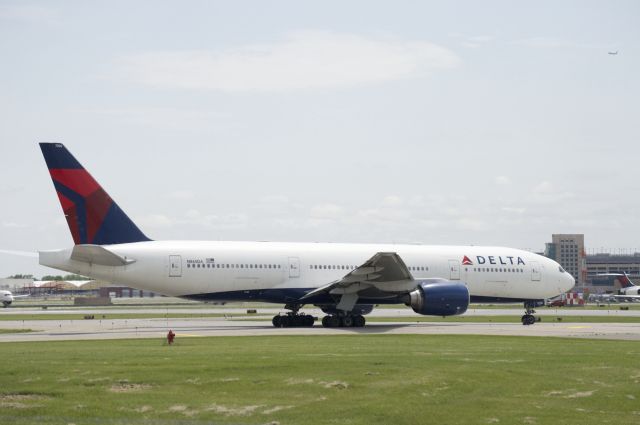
449,122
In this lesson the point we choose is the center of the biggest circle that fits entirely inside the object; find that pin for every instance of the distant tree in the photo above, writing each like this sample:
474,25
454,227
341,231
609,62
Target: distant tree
51,277
21,276
68,277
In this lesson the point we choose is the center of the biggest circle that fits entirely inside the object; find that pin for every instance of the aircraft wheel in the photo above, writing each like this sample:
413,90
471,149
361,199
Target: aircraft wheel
276,321
347,321
358,321
325,322
334,322
309,320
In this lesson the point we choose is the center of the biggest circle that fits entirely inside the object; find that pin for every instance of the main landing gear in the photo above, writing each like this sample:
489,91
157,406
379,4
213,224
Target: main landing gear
529,318
292,319
347,321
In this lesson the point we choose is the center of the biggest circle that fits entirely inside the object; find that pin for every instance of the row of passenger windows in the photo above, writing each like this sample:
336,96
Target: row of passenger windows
334,267
498,270
330,267
233,266
419,269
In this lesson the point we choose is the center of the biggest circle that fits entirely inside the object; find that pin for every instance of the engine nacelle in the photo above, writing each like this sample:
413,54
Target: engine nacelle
443,298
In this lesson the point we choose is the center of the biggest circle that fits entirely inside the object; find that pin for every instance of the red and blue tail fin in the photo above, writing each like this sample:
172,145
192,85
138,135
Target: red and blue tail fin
625,282
93,217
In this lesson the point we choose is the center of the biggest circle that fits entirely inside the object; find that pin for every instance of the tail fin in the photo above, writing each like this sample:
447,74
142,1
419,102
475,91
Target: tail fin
623,278
625,281
93,217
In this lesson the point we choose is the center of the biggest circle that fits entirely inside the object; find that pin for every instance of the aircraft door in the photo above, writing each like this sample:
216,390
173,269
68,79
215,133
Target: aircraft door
454,270
175,266
294,267
535,271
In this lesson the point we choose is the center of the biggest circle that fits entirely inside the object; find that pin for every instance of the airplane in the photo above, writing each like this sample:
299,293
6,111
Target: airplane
344,280
7,298
629,291
613,53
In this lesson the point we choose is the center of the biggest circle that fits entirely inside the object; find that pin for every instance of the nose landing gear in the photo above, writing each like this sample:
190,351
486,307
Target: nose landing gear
529,318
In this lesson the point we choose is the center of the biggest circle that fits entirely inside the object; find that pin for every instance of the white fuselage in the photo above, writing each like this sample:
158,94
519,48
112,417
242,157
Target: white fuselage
229,270
6,298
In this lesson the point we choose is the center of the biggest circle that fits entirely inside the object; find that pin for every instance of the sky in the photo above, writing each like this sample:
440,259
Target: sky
434,122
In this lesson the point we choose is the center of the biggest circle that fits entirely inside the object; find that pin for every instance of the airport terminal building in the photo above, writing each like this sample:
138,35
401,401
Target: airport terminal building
570,252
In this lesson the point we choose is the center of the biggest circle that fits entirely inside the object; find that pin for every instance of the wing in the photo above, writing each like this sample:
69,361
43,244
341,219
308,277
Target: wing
626,297
383,275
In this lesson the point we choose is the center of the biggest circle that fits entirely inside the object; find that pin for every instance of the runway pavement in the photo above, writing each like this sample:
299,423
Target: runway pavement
59,330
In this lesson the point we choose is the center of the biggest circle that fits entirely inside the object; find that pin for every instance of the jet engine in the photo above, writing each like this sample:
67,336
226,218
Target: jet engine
442,298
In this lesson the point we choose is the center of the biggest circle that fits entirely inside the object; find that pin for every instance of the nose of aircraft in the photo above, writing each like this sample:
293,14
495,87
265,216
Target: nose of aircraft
568,282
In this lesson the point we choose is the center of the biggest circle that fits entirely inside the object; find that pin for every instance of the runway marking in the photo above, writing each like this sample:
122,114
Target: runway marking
190,335
578,327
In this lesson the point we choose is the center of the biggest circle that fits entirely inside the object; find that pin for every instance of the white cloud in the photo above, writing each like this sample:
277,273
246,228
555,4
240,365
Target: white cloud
555,43
28,13
473,41
392,201
472,224
226,221
19,253
514,210
503,180
154,221
326,211
183,194
543,188
303,60
12,225
546,192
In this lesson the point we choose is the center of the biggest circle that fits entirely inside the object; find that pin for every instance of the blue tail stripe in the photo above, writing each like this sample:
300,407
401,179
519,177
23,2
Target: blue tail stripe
58,157
81,209
116,228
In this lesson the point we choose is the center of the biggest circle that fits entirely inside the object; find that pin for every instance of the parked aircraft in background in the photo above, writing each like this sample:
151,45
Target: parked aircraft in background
7,298
344,280
629,291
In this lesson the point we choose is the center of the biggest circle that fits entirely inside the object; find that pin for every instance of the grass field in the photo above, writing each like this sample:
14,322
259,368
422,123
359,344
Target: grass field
372,379
14,331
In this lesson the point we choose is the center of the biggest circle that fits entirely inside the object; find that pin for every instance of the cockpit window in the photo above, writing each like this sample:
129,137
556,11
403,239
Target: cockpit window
561,269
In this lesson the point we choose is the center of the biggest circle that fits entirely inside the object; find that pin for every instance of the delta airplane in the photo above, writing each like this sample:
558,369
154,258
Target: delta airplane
344,280
629,291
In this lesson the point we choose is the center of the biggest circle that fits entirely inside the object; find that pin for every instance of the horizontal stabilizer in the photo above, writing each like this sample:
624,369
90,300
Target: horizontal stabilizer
96,254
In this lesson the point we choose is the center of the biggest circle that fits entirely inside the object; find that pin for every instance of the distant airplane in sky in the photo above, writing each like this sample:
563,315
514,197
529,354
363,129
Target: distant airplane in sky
613,53
344,280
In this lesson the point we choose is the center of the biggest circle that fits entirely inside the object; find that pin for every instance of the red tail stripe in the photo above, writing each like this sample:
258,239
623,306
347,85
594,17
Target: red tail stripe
78,180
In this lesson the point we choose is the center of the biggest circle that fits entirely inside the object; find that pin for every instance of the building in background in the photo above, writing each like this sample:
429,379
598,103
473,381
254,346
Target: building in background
568,250
602,264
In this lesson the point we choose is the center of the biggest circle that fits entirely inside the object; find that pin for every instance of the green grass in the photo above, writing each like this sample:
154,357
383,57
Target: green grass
14,331
368,379
114,316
